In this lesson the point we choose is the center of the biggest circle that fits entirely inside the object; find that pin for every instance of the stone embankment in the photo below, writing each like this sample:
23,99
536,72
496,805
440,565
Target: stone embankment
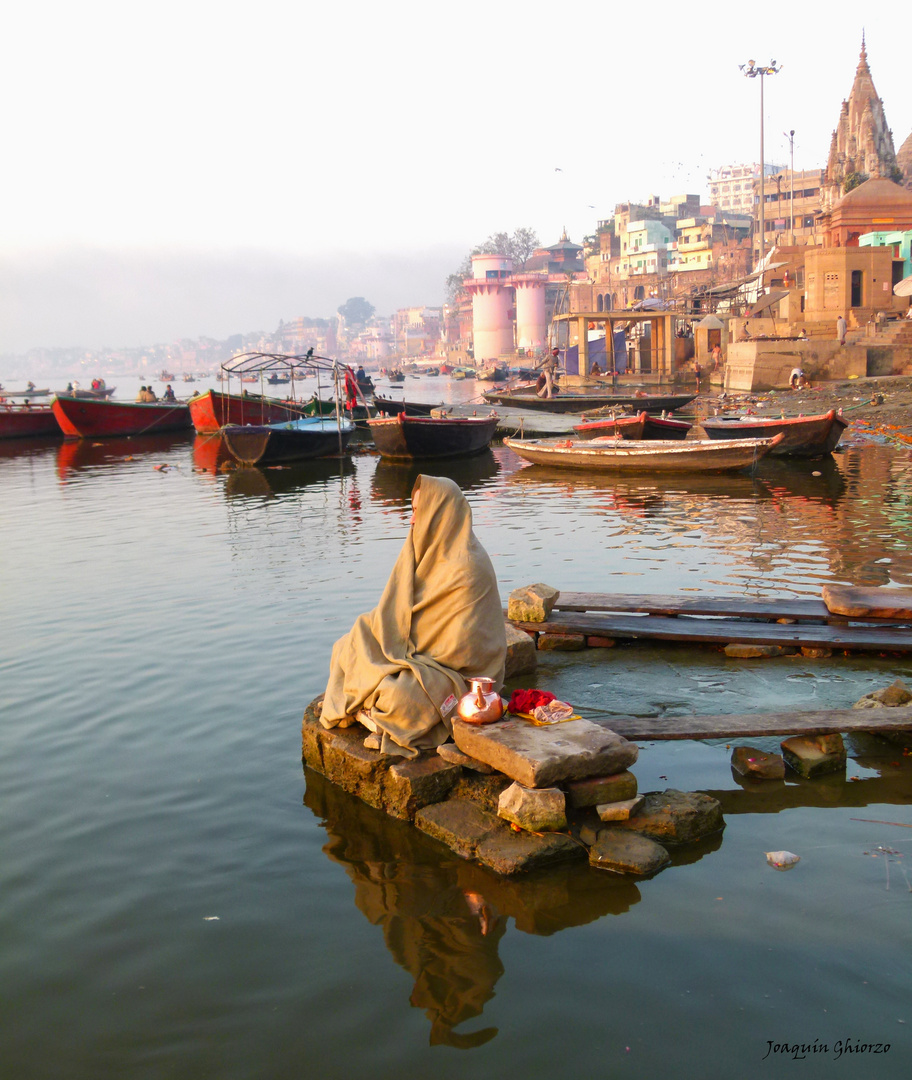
513,796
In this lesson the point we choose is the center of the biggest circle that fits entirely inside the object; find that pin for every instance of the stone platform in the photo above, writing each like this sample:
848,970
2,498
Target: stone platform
555,782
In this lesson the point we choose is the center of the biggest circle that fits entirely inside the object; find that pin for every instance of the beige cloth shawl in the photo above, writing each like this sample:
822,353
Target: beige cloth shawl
439,623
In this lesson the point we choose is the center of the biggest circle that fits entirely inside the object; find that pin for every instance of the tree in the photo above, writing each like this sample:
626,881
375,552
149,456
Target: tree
517,247
356,311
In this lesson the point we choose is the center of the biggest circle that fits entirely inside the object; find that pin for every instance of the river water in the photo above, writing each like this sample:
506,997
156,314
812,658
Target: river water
177,899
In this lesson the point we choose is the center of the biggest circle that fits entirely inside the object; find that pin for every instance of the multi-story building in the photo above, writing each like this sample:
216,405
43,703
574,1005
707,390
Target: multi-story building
733,187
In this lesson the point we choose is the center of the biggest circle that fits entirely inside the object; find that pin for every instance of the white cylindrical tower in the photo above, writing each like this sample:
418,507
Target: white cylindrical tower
531,321
492,295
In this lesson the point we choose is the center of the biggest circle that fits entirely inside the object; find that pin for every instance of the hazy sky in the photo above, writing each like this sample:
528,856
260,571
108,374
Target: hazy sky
195,167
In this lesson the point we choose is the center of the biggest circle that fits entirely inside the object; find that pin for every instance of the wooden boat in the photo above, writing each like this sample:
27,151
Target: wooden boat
492,373
803,436
395,376
293,440
625,427
212,410
664,427
526,398
29,393
99,394
403,438
392,407
22,422
83,418
166,376
628,455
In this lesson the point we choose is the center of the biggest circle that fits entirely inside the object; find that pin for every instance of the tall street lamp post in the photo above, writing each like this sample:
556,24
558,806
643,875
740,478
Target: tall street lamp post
751,71
791,139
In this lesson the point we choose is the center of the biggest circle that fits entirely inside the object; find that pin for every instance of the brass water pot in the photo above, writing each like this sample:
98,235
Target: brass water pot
482,704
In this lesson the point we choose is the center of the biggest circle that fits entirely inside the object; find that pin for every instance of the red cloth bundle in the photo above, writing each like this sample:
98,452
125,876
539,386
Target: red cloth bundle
524,701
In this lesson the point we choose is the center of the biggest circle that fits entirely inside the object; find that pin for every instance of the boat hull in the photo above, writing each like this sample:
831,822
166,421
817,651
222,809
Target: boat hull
629,456
85,418
802,436
577,403
389,407
18,422
625,427
296,440
405,438
213,410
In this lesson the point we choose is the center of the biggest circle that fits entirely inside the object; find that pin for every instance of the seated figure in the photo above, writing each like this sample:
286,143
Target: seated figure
402,667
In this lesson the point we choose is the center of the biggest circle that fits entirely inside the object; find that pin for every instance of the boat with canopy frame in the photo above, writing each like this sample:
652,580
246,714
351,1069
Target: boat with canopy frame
335,378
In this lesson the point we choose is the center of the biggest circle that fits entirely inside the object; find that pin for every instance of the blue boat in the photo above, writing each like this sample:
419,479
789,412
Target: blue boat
291,440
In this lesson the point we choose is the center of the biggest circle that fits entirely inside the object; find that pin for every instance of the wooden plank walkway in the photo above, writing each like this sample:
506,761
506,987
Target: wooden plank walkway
724,631
709,620
823,722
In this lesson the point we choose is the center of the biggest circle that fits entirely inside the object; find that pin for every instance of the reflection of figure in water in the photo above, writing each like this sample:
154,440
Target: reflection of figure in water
403,666
441,931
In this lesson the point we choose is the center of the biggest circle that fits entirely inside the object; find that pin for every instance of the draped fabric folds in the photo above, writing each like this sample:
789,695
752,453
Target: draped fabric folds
439,623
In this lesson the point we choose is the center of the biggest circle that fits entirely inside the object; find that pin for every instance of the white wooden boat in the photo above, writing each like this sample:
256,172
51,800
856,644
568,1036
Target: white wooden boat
644,456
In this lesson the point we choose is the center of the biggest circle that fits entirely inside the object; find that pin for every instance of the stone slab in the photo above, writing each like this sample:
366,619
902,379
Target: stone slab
619,811
522,656
862,602
741,651
544,756
518,852
814,755
749,761
561,642
459,824
601,789
676,817
627,853
532,603
534,809
451,752
412,785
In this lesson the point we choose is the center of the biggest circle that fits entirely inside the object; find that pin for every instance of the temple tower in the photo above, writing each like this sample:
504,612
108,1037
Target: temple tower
862,144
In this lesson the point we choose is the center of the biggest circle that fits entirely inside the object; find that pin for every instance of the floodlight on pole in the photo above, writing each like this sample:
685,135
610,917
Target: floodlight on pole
751,71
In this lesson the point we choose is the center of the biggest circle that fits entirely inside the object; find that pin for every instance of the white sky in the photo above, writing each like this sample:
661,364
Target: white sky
196,167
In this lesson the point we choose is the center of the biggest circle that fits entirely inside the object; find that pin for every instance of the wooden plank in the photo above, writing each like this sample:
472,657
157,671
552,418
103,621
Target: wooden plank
809,609
693,605
825,722
877,603
724,631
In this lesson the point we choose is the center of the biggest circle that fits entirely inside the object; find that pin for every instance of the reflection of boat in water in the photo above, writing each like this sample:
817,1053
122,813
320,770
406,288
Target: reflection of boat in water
210,453
252,482
76,455
392,482
631,490
812,481
643,456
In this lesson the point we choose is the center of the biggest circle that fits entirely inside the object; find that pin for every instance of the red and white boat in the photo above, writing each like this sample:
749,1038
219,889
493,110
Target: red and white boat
27,421
85,418
213,410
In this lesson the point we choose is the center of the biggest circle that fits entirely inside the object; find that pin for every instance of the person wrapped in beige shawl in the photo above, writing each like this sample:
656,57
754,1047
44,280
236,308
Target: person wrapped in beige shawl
402,667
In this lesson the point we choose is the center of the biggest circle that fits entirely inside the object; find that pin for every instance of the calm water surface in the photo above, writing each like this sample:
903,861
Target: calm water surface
178,900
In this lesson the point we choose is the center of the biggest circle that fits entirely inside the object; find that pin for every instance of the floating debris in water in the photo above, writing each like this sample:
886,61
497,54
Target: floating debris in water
782,860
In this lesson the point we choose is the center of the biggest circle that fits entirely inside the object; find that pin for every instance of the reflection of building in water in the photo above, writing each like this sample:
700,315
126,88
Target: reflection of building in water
443,918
